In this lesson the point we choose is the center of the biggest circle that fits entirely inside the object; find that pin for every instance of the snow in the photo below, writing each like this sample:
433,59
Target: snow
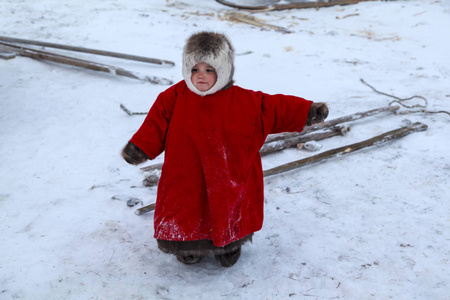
374,224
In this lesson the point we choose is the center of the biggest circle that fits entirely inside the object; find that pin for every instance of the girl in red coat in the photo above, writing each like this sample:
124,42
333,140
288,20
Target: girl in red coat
210,195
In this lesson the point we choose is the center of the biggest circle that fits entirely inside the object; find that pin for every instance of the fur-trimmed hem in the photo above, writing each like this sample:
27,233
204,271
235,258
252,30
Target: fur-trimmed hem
200,247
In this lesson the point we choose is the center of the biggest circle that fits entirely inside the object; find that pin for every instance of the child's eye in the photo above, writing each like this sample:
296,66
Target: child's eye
210,70
194,70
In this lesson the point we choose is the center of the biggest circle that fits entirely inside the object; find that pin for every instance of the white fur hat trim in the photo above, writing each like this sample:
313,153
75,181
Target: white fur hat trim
218,54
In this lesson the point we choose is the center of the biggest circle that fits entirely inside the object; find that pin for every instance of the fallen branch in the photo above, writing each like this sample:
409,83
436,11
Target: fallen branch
292,5
334,122
87,50
39,54
378,140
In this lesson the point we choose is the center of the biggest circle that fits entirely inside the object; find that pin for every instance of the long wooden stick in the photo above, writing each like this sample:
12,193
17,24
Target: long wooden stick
294,141
145,209
334,122
377,140
271,7
238,17
87,50
62,59
7,55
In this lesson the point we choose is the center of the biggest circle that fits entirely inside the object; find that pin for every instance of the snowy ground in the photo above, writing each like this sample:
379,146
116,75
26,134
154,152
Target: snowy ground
371,225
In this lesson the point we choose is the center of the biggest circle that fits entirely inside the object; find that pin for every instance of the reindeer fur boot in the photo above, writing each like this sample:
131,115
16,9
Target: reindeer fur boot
192,252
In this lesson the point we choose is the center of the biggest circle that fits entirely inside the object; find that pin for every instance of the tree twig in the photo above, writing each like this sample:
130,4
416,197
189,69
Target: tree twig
131,113
401,101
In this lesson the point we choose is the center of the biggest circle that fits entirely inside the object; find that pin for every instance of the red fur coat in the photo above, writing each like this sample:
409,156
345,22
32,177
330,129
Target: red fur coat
211,184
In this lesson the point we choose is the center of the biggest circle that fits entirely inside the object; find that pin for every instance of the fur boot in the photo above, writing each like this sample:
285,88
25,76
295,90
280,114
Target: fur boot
190,252
229,259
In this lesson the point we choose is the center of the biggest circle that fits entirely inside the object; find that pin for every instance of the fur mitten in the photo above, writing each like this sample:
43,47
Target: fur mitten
133,155
317,113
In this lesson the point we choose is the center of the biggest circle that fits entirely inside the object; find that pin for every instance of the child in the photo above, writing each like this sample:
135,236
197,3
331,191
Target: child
210,195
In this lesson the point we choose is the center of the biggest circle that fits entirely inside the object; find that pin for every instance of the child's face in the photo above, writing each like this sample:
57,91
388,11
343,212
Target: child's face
203,76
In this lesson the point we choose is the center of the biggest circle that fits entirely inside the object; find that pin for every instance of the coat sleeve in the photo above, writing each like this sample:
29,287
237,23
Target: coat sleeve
151,136
282,113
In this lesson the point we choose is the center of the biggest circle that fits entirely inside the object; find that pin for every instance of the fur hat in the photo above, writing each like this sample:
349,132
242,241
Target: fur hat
211,48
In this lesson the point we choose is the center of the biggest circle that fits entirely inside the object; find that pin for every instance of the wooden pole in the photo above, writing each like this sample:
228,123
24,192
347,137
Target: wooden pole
238,17
294,141
7,55
377,140
145,209
62,59
87,50
334,122
293,5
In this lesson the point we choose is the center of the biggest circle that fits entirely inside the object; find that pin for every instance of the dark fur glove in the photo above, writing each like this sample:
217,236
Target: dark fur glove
133,155
317,113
